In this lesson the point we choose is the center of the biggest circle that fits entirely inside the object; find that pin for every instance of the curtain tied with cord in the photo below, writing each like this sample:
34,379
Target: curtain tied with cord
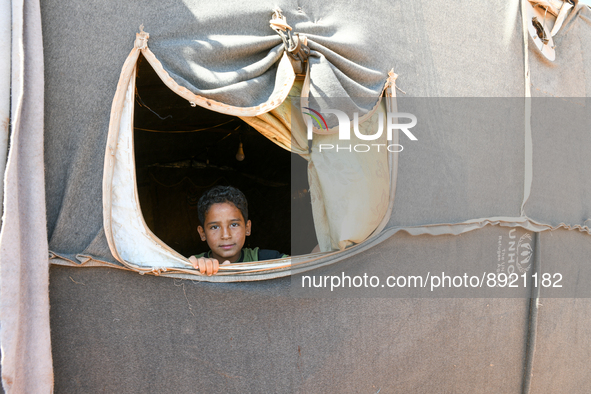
350,191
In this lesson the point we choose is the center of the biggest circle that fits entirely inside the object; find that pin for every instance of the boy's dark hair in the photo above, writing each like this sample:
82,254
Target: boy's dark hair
221,194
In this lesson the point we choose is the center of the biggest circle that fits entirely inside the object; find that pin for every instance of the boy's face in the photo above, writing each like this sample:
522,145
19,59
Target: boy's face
225,231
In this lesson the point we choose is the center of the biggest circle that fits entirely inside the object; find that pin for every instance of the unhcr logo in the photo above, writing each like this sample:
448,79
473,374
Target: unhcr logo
392,124
515,254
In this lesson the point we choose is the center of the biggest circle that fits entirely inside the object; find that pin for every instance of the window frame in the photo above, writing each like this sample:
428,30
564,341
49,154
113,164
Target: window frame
122,121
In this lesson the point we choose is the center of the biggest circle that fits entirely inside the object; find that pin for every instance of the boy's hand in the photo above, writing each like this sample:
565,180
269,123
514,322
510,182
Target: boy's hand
206,265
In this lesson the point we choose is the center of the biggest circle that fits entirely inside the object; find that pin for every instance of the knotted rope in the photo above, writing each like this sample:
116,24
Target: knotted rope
295,46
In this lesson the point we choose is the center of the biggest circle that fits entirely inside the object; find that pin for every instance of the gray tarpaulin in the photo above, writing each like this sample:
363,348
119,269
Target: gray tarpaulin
24,270
352,50
116,331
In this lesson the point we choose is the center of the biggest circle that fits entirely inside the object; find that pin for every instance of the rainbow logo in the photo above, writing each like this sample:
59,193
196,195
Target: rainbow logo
316,118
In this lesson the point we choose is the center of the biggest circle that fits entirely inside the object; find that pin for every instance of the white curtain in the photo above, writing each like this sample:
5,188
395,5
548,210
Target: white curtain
350,191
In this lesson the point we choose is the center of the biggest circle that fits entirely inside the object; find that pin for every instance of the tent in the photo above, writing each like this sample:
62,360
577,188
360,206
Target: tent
497,178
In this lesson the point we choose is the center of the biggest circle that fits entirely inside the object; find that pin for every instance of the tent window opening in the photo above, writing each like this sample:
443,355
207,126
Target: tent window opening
167,145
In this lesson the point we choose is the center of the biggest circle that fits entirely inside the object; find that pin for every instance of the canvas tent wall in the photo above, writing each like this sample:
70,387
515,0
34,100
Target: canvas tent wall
435,56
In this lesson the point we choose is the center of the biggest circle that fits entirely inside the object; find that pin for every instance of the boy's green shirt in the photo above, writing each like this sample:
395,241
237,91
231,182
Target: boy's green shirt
249,255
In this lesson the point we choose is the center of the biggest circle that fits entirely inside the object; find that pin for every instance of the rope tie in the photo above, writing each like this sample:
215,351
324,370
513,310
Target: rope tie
141,39
278,21
294,45
391,83
392,76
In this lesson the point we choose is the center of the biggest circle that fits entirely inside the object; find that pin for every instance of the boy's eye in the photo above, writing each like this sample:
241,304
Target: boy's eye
235,224
213,227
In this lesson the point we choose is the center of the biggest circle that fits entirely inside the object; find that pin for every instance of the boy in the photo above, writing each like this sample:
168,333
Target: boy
223,212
